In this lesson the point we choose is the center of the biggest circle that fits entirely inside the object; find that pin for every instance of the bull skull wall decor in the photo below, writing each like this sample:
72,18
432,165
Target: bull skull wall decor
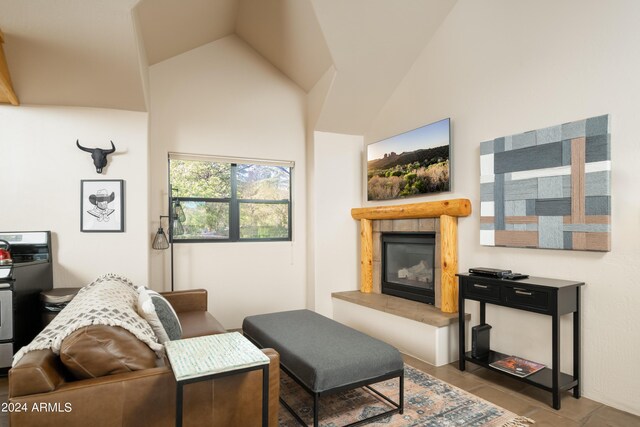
98,155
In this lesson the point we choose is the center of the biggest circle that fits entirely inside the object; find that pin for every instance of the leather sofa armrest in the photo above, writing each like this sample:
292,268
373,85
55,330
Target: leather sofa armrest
189,300
37,371
199,323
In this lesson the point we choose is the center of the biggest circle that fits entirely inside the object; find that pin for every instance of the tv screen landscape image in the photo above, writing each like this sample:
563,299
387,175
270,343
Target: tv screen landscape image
410,164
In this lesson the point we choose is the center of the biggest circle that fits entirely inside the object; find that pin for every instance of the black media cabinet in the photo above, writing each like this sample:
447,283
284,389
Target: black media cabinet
550,297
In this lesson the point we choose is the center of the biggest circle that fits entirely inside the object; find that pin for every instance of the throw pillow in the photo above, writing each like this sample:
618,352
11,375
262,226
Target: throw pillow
160,314
98,350
147,310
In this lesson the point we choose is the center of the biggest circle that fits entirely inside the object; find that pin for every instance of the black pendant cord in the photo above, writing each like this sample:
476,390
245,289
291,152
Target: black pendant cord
171,213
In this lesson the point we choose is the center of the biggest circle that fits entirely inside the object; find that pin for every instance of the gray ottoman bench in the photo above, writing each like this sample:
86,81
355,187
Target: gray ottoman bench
325,357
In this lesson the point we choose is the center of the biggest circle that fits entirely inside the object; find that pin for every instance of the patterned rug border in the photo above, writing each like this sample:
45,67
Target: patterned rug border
429,402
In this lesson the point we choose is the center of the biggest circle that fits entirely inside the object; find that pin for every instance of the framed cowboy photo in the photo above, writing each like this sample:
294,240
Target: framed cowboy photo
102,205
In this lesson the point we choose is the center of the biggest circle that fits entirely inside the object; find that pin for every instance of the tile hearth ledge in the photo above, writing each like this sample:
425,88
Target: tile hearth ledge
412,310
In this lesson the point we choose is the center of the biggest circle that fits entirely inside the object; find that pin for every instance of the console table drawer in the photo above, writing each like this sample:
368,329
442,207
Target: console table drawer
526,298
483,291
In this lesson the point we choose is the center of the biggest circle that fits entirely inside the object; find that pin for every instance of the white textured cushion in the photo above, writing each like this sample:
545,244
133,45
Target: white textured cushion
160,314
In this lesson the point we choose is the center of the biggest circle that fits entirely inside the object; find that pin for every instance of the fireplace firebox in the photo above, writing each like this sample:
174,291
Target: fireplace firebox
408,265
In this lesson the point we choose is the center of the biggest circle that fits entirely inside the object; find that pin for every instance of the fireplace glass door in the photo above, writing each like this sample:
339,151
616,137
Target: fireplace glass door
408,265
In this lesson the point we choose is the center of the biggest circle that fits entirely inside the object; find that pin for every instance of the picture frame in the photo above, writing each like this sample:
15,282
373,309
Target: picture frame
410,164
102,205
548,188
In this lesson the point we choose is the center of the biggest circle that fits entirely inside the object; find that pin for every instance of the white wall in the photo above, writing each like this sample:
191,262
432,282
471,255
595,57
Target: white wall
500,67
336,190
315,103
224,99
41,173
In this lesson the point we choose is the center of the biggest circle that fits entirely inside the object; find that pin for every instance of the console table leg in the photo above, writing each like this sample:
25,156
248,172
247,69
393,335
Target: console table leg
555,356
461,330
556,399
461,364
576,346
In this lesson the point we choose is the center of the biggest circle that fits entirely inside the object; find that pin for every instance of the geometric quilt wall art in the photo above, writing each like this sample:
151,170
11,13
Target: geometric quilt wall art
548,188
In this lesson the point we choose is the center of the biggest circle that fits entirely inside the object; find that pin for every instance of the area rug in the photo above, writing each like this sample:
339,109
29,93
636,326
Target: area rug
428,401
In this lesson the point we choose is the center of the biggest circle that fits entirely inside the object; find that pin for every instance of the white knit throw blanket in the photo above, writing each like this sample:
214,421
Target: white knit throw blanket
109,300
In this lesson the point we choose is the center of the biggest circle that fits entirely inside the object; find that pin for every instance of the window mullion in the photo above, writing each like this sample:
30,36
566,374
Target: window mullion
289,206
234,208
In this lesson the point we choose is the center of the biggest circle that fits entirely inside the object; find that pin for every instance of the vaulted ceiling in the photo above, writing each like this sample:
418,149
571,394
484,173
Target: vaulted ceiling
73,52
94,52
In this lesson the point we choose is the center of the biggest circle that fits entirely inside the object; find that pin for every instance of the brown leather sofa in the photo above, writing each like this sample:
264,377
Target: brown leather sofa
42,393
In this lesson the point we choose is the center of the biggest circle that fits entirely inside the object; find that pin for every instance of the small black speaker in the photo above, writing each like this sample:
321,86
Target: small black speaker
480,340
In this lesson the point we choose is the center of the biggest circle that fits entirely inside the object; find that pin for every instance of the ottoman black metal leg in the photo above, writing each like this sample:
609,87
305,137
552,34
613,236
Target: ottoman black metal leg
316,400
401,401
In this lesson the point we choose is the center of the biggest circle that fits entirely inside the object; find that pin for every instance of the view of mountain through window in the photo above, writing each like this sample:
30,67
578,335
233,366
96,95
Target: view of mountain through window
232,201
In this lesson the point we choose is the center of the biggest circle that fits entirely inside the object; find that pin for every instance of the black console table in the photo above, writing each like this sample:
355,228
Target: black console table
538,295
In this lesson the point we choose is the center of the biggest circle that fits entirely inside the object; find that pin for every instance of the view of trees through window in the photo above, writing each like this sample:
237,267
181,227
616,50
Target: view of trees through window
232,201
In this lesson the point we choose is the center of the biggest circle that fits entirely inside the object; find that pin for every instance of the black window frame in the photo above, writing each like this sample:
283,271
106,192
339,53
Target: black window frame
234,208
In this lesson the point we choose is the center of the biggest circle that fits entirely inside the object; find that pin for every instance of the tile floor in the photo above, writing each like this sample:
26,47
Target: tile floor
506,392
527,400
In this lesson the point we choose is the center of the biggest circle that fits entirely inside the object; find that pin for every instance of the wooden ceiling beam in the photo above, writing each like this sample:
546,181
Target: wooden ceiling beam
7,94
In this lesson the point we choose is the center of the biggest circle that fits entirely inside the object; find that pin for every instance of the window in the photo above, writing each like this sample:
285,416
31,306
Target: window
230,200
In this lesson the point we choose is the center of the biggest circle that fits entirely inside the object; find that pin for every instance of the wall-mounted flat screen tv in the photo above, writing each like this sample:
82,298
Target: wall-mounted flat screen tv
410,164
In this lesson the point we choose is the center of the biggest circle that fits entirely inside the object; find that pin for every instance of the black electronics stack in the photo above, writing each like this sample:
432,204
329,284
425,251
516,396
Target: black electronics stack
480,340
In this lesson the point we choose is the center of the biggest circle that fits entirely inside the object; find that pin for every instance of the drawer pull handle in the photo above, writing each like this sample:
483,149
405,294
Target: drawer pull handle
475,285
519,292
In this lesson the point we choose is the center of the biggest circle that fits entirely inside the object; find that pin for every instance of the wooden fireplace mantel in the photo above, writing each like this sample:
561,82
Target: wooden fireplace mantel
447,210
455,207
